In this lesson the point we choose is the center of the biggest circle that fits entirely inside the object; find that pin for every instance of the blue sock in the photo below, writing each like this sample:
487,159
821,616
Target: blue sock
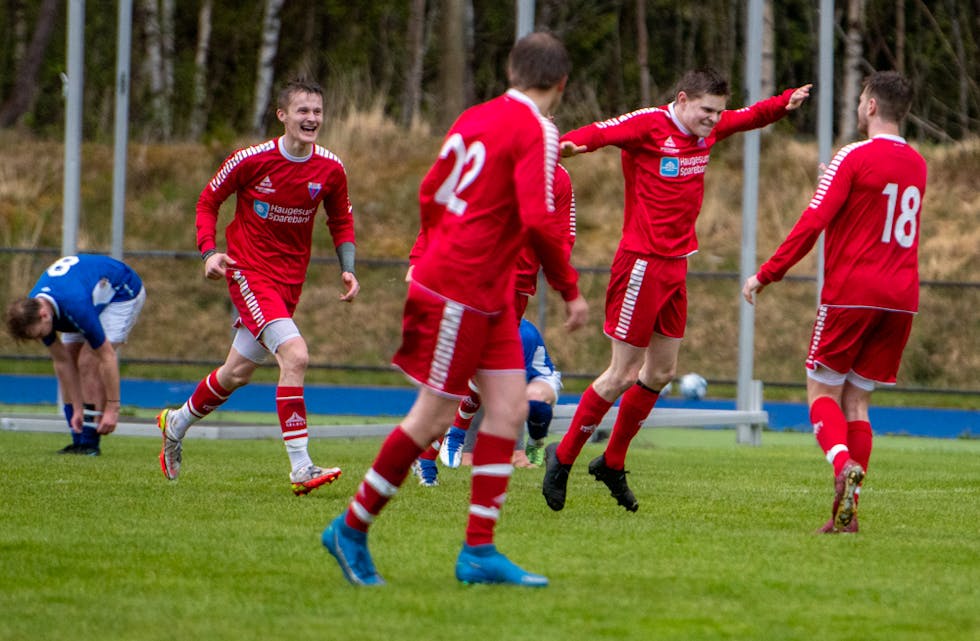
90,435
75,438
538,419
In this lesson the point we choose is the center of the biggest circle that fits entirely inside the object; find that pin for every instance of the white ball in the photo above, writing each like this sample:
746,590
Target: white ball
693,386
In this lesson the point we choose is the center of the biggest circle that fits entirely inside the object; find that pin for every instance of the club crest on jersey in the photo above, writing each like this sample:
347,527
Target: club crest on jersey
314,189
670,167
669,146
265,186
261,209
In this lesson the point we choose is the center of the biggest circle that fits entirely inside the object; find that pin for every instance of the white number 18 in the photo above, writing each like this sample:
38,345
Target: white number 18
901,229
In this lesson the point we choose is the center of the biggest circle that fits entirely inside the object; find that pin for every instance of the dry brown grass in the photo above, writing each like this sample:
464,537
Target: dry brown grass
188,318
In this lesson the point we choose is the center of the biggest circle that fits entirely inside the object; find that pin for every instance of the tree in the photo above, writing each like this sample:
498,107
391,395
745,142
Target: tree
851,84
643,51
412,92
199,117
264,72
25,88
158,27
453,61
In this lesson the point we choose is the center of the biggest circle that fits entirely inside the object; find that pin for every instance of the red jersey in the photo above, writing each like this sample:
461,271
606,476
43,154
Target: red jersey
663,167
277,196
527,261
869,201
488,194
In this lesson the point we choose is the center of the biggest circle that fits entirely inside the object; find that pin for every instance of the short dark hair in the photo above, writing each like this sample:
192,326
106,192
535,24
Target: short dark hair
295,86
22,313
892,92
539,60
702,82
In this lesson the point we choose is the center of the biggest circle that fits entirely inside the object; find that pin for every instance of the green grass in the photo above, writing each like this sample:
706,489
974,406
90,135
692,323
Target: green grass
721,548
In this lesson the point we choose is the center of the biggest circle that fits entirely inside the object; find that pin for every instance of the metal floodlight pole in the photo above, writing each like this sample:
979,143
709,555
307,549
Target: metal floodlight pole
825,106
750,201
525,18
124,30
74,83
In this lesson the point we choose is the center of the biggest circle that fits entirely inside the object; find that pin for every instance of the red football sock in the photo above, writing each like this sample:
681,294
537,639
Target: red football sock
859,438
633,410
431,453
207,396
588,415
467,409
830,429
291,407
491,474
382,481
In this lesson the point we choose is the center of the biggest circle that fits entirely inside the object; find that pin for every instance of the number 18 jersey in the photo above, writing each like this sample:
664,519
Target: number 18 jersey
869,200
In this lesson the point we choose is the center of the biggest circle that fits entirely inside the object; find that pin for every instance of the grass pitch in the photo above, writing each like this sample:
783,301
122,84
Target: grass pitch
721,548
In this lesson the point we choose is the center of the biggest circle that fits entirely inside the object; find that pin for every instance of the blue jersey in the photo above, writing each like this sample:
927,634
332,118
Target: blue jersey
537,362
79,288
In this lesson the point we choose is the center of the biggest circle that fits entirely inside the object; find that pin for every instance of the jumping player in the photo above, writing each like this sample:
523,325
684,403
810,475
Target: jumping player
94,302
665,152
488,193
869,202
278,185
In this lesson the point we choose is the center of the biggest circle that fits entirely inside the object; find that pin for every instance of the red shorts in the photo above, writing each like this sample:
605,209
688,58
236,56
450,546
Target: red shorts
445,343
646,294
260,299
868,342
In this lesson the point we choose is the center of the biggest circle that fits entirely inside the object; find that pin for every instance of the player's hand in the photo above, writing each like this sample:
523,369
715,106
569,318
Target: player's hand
751,287
576,313
77,418
110,418
217,265
569,148
799,95
350,281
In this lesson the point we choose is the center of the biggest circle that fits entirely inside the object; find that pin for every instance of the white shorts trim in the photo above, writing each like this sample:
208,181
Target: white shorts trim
272,337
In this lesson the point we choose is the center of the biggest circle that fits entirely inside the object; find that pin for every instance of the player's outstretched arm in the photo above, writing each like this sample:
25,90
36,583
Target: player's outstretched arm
569,148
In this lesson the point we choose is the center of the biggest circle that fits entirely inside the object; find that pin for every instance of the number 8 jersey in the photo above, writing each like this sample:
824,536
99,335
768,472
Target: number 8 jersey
489,192
869,200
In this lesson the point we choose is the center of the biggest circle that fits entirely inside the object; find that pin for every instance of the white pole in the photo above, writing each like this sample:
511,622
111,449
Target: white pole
124,30
73,126
825,106
750,203
525,18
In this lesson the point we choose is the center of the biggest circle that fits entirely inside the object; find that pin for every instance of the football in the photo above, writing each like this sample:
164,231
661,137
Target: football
693,386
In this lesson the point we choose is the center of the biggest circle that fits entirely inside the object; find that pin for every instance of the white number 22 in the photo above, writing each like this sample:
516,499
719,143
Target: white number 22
901,229
474,156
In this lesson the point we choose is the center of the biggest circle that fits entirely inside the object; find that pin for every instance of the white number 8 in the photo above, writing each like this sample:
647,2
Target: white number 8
61,266
457,181
901,228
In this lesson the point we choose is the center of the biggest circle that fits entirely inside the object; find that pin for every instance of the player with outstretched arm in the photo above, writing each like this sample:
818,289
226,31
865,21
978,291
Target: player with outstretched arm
869,202
665,152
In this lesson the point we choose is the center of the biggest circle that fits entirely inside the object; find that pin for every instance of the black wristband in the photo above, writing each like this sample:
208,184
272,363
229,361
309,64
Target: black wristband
208,254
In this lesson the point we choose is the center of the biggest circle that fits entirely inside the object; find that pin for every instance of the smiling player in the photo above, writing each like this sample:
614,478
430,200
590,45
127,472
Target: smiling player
278,185
665,153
